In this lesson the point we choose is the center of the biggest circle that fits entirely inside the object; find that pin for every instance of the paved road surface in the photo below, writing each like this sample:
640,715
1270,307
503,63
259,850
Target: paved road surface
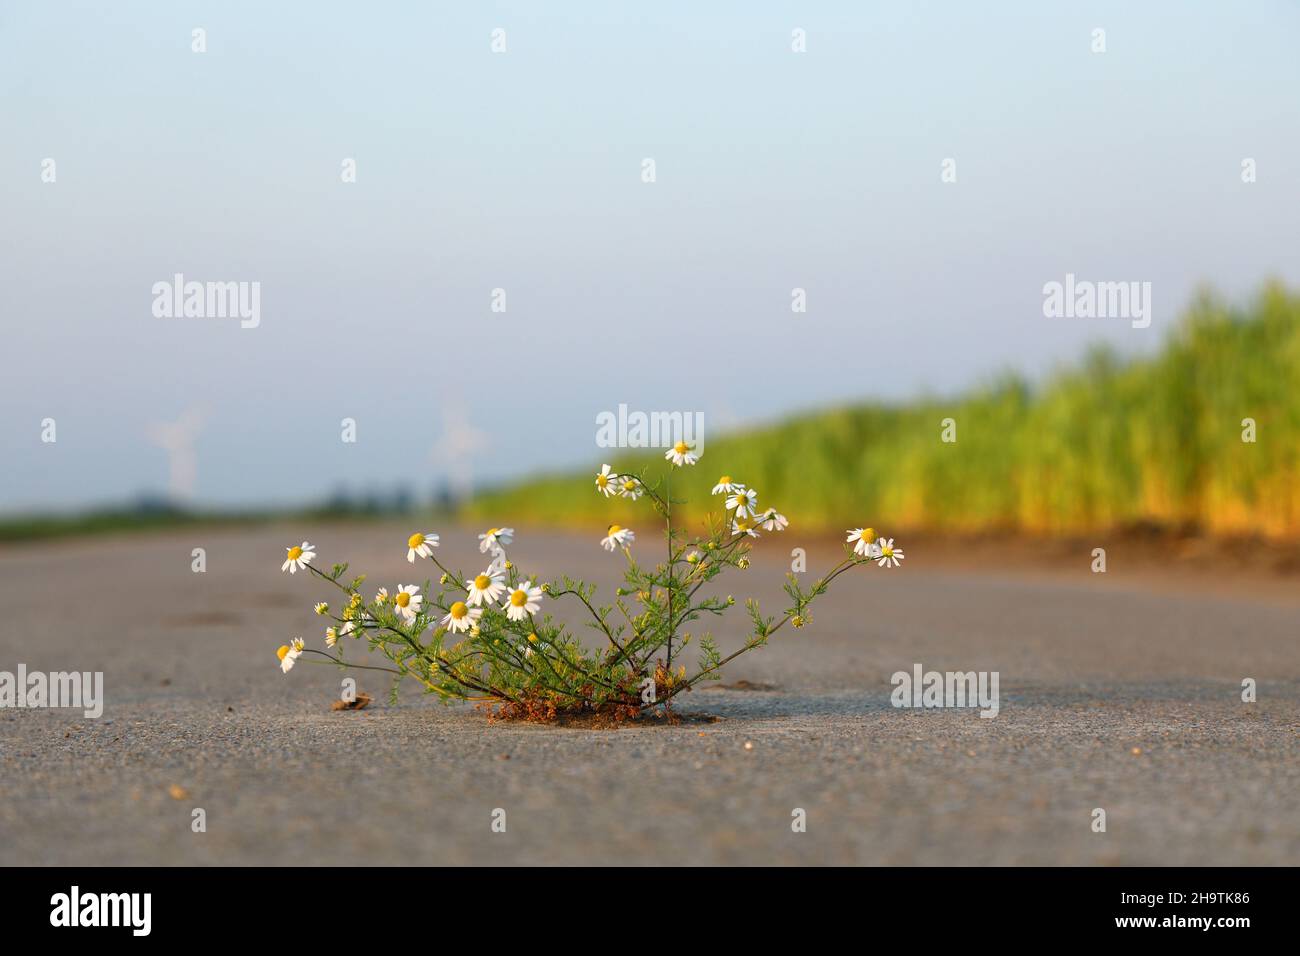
1092,668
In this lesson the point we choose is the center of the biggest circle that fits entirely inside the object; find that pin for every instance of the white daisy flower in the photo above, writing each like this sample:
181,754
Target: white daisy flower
421,545
461,617
726,486
629,487
681,454
617,538
407,600
487,587
743,525
861,539
605,481
331,637
298,558
744,500
522,601
887,553
769,520
381,596
289,653
494,538
321,608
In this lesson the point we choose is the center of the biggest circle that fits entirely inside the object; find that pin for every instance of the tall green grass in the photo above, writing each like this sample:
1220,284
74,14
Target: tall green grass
1107,444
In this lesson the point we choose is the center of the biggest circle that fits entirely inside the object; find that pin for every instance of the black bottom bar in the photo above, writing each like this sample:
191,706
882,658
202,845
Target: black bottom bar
333,905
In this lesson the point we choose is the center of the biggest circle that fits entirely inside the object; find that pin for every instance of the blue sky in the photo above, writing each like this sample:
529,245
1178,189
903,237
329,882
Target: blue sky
521,171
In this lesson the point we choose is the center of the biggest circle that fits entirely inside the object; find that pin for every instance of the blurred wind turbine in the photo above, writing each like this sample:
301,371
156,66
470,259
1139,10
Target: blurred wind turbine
177,439
459,442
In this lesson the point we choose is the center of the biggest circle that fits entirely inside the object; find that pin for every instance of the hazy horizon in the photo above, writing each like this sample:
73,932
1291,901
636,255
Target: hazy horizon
477,170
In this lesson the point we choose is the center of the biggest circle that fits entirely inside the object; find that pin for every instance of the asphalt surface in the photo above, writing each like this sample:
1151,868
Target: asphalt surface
1119,691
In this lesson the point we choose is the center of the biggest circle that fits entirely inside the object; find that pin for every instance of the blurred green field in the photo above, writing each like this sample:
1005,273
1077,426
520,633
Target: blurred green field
1105,445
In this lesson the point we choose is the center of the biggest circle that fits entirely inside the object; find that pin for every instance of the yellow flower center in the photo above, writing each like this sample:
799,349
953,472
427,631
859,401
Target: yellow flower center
724,480
602,480
629,485
458,611
614,529
294,553
742,525
482,581
492,532
415,540
403,599
518,598
681,448
532,638
886,551
284,649
868,534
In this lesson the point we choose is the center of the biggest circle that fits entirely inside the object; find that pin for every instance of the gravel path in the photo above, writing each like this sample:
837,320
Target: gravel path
1115,693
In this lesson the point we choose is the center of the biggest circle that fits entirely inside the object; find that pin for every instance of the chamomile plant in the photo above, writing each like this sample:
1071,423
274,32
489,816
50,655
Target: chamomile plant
487,634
